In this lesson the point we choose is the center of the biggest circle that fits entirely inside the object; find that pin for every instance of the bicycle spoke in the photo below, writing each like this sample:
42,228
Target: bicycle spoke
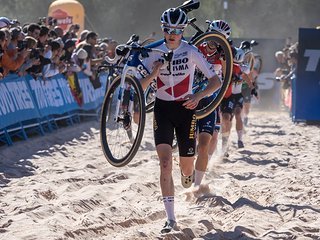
122,129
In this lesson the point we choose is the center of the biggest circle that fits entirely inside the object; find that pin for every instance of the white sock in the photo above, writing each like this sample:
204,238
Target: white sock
225,138
168,202
240,134
198,176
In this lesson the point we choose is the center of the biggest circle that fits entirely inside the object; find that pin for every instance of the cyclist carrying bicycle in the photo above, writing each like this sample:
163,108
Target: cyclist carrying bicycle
209,126
254,66
232,103
175,104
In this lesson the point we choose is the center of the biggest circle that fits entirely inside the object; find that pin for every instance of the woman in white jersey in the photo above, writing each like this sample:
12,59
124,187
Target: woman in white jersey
174,109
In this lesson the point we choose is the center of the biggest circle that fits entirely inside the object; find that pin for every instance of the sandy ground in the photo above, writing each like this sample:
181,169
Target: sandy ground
61,187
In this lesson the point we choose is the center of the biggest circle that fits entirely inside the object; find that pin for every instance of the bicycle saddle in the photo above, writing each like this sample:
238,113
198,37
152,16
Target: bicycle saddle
190,5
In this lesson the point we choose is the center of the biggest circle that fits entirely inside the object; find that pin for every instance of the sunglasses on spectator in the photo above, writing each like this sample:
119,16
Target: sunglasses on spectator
176,31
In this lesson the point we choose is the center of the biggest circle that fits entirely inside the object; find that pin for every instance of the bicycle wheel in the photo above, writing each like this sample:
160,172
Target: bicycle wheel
150,96
249,60
121,134
205,110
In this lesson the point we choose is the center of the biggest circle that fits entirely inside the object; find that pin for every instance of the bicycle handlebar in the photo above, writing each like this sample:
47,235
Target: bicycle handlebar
123,50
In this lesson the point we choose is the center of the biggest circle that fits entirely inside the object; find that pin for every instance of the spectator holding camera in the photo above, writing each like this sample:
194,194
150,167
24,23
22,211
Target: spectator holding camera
102,50
52,68
69,47
81,62
8,61
15,44
282,63
91,40
32,59
286,72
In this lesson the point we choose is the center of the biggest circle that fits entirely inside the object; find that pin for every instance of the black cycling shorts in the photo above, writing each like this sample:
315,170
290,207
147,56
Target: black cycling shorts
170,117
229,104
207,124
238,100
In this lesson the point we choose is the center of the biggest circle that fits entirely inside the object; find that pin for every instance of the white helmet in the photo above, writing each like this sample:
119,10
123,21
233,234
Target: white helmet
239,55
220,26
174,17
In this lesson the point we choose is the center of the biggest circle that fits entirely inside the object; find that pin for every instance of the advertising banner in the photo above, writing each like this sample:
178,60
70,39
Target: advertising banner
52,96
16,101
25,98
306,87
92,98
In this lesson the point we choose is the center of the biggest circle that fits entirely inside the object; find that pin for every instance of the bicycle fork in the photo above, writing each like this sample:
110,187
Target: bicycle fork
125,118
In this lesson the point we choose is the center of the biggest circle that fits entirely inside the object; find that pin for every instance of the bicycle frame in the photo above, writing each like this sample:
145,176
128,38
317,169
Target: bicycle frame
126,93
135,67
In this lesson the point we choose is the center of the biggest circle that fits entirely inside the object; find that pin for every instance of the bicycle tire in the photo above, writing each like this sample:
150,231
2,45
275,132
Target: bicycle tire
113,134
222,41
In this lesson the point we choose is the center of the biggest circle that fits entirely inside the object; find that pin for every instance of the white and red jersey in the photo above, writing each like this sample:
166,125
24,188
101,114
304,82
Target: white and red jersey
236,80
177,84
213,59
237,77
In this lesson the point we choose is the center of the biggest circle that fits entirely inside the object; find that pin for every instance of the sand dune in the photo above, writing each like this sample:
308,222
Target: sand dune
60,186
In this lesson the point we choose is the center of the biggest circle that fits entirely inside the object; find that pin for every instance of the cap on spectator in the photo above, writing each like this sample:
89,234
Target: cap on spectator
82,54
69,43
5,22
103,46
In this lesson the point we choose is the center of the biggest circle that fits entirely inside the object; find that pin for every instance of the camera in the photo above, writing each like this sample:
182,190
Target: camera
35,53
22,45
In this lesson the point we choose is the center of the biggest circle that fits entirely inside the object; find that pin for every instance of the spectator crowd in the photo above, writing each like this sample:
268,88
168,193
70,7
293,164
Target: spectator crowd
287,60
44,49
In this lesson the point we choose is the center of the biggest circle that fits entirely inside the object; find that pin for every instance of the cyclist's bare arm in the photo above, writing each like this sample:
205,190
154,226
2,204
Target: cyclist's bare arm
155,72
223,63
248,79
